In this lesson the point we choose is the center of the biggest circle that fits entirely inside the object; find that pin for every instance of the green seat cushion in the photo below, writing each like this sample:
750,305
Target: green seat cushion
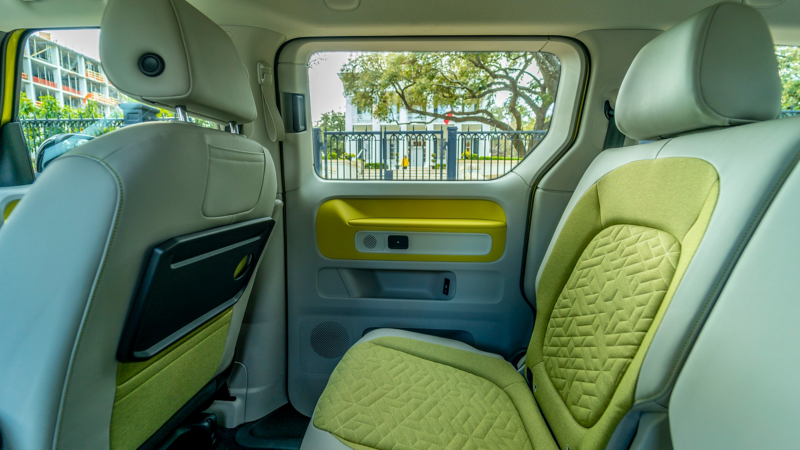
609,278
150,392
397,393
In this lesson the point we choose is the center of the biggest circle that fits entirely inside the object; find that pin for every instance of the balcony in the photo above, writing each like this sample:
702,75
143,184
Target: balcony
71,90
97,76
45,82
106,100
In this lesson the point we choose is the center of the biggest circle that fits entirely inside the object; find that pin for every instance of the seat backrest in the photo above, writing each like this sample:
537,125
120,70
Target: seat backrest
79,253
643,247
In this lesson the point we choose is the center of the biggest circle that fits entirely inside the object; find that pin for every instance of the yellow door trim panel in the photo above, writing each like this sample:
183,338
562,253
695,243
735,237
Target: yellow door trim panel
10,75
430,230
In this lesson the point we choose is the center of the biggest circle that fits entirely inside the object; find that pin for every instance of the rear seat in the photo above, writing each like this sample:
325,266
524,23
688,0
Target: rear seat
635,266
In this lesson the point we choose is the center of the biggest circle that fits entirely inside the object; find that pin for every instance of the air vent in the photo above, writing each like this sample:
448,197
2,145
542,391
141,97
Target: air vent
370,242
330,340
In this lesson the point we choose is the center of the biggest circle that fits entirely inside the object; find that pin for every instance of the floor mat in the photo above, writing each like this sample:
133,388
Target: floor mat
282,429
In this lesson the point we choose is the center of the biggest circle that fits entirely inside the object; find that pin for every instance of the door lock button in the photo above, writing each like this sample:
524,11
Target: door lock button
398,242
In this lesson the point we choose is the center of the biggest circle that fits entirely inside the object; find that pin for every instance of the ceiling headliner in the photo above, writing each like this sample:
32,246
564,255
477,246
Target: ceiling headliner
301,18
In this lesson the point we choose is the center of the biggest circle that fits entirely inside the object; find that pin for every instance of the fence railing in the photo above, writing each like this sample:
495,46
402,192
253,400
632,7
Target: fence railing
37,130
436,155
790,113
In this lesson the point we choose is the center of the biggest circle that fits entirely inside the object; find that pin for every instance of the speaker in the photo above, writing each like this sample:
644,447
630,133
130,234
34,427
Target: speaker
330,340
370,242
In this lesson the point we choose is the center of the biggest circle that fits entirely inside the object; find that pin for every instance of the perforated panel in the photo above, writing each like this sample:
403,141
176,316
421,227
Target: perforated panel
330,340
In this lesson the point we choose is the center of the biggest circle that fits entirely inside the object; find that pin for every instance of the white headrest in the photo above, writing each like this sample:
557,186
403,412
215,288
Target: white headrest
166,52
717,68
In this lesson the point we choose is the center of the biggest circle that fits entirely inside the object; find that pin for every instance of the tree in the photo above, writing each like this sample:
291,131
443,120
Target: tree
49,106
331,121
789,69
456,86
26,107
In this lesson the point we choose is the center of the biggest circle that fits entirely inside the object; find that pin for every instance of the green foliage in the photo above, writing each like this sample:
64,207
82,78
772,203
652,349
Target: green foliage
331,121
789,69
50,108
376,166
456,86
26,107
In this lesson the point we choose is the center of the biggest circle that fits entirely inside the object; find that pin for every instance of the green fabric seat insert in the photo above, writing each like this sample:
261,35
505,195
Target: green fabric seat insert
604,312
150,392
397,393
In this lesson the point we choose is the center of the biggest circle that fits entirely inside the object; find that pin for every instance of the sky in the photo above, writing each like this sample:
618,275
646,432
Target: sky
84,41
327,92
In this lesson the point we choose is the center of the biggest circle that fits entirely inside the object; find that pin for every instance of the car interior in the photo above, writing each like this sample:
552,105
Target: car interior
399,225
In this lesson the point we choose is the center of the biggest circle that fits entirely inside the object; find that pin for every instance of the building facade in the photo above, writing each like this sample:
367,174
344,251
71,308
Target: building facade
419,149
72,78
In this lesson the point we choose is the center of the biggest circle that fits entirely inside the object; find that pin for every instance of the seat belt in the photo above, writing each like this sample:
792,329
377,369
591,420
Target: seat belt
272,117
614,137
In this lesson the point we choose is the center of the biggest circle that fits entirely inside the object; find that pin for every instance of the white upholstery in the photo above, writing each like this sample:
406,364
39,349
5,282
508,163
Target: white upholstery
715,69
202,69
739,387
72,259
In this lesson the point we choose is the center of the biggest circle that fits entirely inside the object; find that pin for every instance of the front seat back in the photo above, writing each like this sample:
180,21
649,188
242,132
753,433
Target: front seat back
125,271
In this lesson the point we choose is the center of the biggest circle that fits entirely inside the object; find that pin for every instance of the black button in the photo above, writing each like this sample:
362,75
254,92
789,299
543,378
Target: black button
398,242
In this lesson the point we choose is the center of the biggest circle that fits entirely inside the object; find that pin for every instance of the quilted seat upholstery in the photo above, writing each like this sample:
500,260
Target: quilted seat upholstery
400,393
604,312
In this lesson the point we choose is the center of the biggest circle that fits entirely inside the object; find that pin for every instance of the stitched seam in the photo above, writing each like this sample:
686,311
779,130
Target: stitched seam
88,310
723,277
441,364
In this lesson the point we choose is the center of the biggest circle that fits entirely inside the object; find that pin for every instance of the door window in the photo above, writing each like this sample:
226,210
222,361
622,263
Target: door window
441,116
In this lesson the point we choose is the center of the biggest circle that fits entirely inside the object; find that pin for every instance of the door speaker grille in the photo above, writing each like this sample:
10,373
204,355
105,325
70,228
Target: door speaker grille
370,241
330,340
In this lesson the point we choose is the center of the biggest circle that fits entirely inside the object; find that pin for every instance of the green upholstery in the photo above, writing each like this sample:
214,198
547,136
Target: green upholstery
603,314
610,276
400,393
674,196
150,392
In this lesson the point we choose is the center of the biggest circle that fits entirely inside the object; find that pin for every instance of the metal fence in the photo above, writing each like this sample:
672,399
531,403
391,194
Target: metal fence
37,130
435,155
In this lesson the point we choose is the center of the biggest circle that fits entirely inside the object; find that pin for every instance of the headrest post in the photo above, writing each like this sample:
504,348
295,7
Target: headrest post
180,114
234,128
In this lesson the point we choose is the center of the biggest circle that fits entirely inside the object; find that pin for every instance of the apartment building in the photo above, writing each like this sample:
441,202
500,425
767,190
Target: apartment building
69,76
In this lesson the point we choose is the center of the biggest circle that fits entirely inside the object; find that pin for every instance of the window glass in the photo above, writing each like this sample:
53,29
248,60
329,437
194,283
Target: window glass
429,115
66,99
789,68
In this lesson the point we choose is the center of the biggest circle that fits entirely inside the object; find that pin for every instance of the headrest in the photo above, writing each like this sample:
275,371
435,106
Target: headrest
714,69
166,52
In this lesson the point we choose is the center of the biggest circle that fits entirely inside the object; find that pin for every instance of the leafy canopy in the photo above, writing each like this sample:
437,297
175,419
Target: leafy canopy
506,90
331,121
789,69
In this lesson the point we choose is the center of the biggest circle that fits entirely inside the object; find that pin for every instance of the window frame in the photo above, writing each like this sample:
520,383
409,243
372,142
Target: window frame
566,112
